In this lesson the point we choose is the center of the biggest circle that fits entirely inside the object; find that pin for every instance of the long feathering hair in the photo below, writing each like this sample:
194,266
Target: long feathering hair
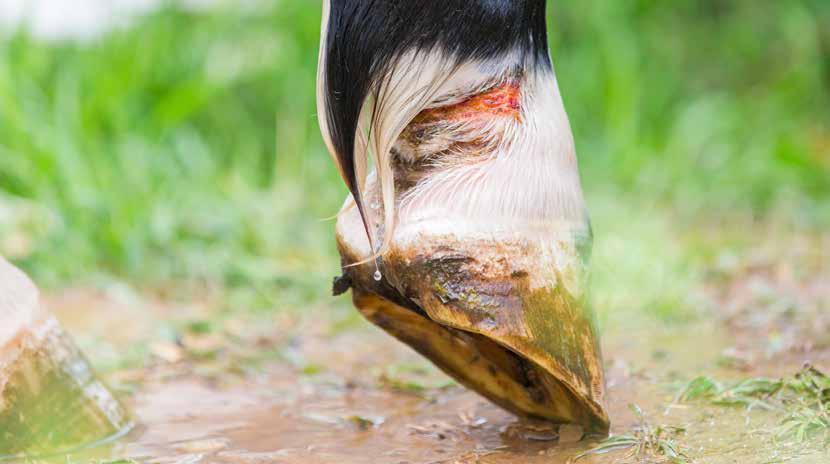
384,61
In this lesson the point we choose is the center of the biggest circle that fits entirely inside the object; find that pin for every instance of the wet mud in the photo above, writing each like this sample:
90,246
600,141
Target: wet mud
335,392
347,411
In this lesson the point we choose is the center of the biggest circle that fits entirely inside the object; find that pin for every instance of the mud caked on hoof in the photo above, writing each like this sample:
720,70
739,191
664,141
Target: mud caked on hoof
50,400
499,317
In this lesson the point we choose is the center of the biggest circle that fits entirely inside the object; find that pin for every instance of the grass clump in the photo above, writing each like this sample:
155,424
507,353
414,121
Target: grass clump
647,442
803,400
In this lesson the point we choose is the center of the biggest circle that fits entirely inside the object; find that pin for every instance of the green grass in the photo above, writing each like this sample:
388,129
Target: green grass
646,443
185,147
802,401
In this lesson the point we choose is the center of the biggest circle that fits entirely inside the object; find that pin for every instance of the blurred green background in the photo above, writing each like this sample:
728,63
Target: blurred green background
184,148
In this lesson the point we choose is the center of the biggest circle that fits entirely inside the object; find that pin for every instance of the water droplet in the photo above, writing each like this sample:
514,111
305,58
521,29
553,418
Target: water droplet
378,276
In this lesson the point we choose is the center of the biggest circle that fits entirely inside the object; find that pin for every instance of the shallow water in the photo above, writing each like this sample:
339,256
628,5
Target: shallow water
278,414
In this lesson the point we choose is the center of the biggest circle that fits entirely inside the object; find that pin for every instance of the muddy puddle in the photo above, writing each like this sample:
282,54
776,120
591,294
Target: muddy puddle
360,397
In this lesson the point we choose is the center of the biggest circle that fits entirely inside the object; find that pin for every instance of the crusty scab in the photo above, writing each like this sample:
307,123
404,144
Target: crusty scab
500,100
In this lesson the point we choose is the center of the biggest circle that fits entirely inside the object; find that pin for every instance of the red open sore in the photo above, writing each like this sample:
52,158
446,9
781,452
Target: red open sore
502,100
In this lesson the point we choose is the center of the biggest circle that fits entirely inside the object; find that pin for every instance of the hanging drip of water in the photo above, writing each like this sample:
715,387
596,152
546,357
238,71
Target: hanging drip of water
375,205
377,275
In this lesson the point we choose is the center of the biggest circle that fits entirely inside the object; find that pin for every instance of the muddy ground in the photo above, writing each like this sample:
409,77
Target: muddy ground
325,387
